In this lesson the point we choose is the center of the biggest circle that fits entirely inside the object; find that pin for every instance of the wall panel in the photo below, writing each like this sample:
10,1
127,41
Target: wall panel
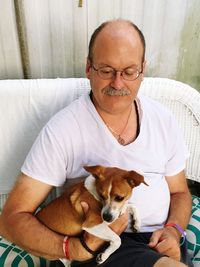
10,58
56,36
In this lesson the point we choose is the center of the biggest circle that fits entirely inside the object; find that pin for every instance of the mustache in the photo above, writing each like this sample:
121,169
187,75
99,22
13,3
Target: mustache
115,92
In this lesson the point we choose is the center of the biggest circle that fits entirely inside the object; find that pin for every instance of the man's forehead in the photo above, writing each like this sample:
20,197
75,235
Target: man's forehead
109,43
116,33
117,29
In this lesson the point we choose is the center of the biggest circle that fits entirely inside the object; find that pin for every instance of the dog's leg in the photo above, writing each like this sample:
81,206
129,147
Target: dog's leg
136,219
104,232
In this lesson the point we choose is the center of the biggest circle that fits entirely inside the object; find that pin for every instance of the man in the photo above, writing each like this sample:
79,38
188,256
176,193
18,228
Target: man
114,126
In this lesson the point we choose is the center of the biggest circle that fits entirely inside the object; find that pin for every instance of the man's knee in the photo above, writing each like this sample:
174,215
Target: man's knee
166,262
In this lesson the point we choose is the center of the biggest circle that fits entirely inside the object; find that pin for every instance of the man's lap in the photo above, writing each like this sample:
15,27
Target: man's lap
133,251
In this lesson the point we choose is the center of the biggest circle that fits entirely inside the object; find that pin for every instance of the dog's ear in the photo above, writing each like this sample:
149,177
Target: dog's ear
97,171
134,179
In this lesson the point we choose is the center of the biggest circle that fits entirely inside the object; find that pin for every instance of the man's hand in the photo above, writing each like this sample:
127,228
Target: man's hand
120,225
167,242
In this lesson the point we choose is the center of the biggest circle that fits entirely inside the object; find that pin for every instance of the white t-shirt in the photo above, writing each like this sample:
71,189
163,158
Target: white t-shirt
77,136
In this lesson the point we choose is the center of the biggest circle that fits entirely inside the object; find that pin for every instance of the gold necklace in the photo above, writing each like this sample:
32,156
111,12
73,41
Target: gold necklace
119,136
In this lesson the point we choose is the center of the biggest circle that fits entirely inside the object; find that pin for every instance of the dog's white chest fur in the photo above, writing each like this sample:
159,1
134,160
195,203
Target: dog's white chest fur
91,187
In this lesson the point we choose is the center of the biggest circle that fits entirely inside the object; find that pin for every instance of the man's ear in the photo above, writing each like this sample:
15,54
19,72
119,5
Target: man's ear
143,69
88,68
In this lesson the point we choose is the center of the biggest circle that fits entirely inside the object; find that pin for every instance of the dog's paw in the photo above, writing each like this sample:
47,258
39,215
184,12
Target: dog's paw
136,226
101,257
66,262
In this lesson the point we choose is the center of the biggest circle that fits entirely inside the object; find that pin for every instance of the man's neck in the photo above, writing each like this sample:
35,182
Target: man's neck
124,125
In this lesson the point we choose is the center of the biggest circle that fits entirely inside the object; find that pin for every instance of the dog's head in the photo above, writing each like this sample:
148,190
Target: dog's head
114,188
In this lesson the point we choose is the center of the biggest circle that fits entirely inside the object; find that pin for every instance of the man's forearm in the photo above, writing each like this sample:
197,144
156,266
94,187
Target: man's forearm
27,232
180,208
37,239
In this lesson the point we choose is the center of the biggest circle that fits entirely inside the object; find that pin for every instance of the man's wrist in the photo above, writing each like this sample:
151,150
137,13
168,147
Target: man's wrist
179,229
93,242
81,249
77,251
84,244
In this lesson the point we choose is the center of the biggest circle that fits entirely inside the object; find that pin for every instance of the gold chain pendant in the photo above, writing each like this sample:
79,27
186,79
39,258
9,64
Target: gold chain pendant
121,140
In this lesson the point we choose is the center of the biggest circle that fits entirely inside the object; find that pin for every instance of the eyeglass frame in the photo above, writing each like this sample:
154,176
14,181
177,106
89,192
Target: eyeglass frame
115,73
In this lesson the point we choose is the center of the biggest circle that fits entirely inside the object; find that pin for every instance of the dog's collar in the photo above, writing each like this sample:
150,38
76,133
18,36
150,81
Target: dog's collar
90,186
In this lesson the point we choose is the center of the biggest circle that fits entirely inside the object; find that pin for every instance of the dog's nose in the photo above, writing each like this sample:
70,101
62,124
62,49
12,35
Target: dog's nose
107,217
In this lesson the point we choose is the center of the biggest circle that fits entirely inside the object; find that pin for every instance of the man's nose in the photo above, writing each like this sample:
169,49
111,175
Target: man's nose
117,82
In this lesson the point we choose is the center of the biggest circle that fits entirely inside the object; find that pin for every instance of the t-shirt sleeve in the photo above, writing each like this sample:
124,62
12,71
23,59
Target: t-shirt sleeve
46,160
178,151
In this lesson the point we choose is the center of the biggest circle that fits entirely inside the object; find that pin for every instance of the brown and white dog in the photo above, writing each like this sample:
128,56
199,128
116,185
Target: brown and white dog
107,191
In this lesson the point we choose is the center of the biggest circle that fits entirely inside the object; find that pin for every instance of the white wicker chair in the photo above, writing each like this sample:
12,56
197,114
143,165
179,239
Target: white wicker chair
184,101
26,105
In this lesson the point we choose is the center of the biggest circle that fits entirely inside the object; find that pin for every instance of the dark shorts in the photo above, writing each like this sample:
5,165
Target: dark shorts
133,252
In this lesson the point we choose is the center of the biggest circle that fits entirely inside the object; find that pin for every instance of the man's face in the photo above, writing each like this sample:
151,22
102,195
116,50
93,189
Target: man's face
118,51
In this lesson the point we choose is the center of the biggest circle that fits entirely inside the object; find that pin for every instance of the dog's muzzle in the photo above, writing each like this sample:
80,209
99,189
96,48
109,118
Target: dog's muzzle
107,216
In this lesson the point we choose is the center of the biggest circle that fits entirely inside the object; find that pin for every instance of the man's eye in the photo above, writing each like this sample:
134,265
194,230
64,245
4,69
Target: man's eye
130,71
106,71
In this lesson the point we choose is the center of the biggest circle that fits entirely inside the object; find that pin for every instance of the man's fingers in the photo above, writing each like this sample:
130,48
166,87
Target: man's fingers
155,238
119,225
165,247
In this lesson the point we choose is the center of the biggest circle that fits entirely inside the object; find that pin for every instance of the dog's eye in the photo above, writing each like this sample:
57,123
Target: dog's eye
101,196
119,198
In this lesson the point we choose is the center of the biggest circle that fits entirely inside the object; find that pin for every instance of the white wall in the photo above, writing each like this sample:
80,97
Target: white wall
54,36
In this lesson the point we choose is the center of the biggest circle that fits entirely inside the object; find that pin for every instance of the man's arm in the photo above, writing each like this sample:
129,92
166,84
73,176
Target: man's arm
181,201
19,225
166,241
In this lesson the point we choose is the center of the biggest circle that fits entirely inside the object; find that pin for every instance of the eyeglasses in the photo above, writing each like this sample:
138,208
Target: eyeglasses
128,74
